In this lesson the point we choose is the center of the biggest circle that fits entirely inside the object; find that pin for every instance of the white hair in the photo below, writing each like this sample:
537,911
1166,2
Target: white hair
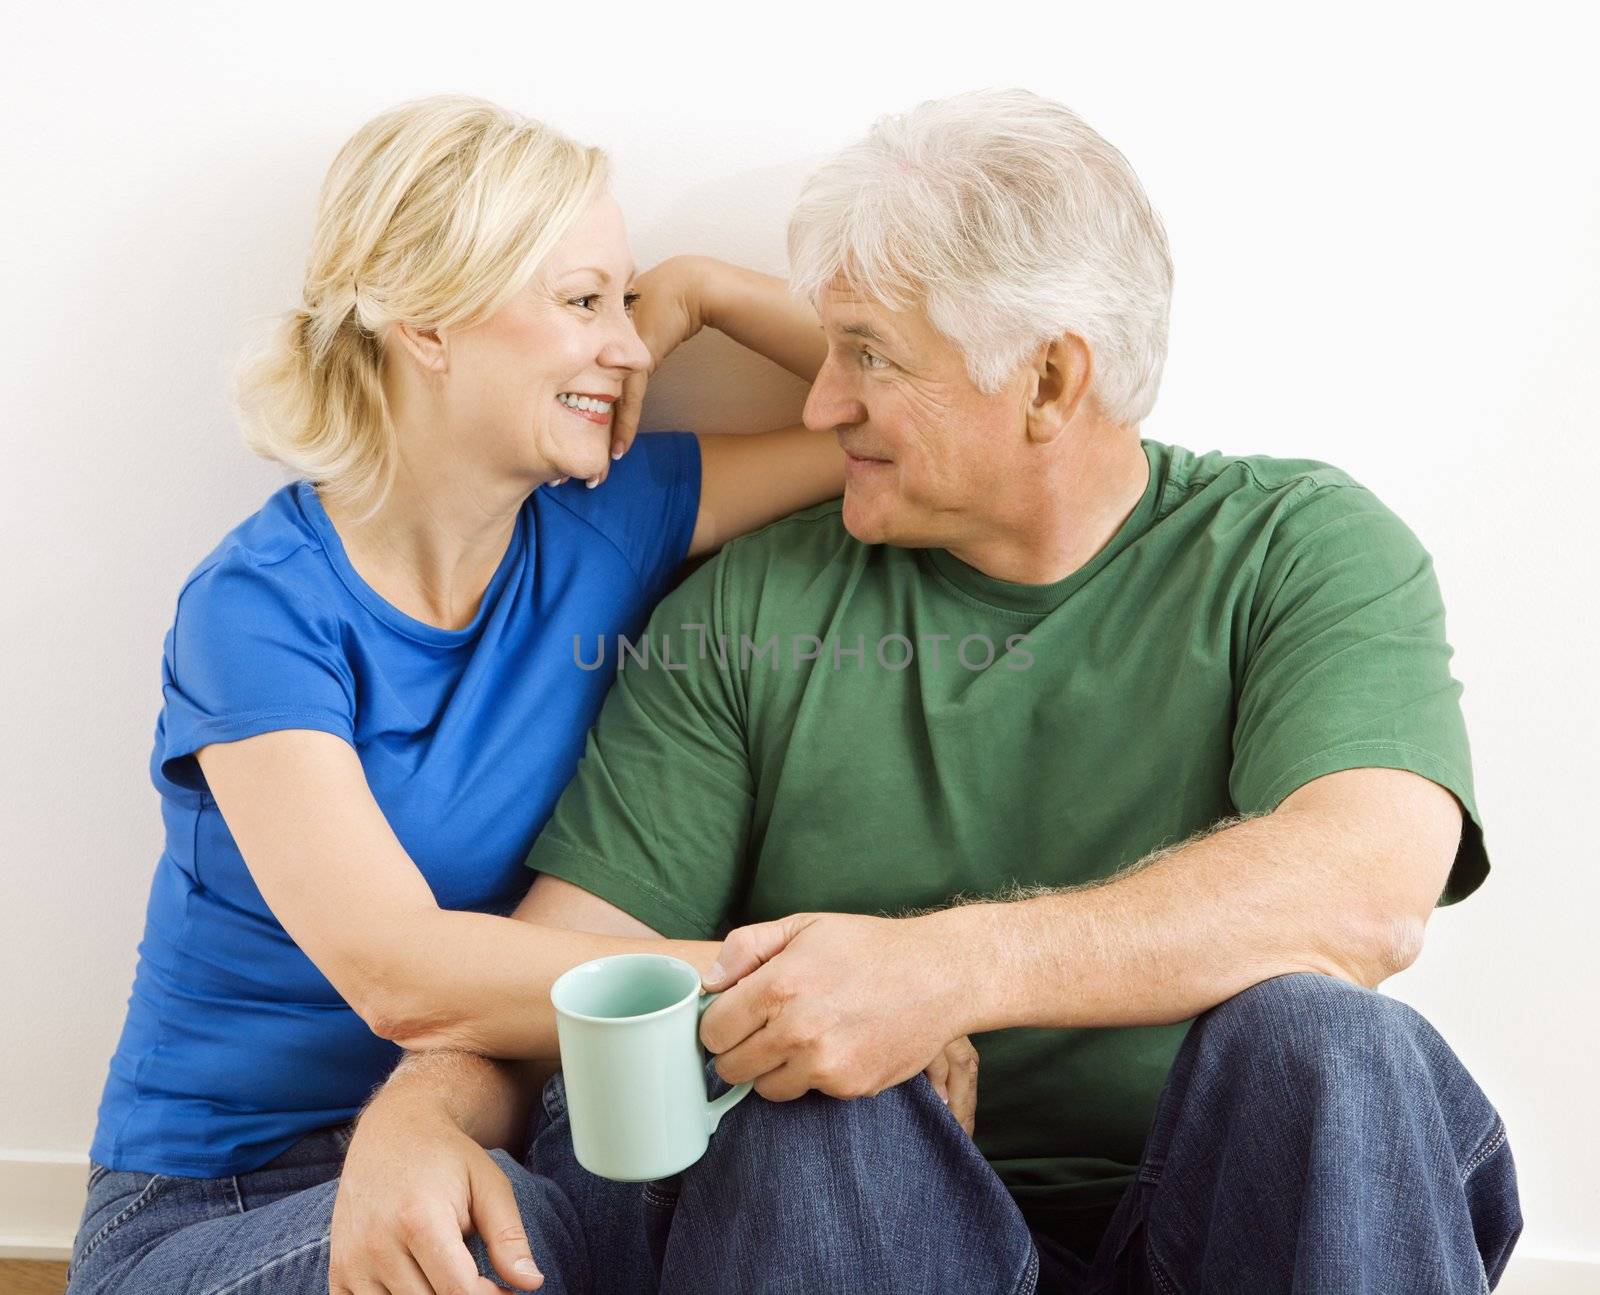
1010,222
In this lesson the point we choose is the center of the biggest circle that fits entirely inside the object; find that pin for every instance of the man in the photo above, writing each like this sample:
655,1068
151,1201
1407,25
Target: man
1044,735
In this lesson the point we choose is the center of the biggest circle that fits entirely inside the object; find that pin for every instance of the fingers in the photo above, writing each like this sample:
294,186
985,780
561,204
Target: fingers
625,416
963,1082
405,1277
729,1024
748,947
499,1222
433,1245
752,1057
784,1084
395,1273
445,1261
938,1073
745,1008
360,1287
624,425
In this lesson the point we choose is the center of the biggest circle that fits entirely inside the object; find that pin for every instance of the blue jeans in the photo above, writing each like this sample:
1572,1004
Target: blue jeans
1311,1136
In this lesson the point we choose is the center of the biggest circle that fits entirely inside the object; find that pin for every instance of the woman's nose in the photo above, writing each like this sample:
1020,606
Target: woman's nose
625,349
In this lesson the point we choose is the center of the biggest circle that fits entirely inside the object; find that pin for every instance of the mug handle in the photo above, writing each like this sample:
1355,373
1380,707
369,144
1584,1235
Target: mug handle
719,1107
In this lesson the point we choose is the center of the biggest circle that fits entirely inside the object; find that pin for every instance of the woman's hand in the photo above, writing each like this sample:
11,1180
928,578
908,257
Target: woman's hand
414,1185
670,310
954,1073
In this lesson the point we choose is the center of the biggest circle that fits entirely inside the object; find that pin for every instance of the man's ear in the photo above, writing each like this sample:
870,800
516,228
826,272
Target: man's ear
1063,369
426,346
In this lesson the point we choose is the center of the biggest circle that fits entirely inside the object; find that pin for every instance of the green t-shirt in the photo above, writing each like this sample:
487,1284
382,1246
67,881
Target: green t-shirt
822,724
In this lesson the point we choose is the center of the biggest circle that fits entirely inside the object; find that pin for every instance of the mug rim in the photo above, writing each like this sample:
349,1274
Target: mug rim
692,996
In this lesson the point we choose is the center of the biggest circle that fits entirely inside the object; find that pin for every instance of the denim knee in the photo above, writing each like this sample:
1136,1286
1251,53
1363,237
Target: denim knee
877,1193
1307,1024
1303,1042
1317,1129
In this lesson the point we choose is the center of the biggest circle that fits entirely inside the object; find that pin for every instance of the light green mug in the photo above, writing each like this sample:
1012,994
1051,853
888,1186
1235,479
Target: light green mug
629,1029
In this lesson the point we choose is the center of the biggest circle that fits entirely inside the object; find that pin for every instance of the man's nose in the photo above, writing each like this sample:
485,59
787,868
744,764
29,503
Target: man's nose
830,403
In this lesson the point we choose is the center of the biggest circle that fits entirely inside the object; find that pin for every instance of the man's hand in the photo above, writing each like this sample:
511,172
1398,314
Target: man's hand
414,1185
846,1005
954,1075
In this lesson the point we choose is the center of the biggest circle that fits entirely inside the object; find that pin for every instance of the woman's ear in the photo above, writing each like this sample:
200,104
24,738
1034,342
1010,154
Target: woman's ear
426,346
1063,369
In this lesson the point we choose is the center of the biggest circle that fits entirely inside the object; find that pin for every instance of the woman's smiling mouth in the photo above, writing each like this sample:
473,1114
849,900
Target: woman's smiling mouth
597,409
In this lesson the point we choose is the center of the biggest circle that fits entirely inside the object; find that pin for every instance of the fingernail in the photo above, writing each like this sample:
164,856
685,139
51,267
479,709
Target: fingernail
616,450
715,974
592,482
526,1268
944,1094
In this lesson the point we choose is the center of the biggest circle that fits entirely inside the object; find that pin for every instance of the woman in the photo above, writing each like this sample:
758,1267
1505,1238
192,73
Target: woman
372,692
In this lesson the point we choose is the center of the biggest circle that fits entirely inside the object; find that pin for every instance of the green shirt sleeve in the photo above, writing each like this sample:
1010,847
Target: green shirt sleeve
1347,665
657,818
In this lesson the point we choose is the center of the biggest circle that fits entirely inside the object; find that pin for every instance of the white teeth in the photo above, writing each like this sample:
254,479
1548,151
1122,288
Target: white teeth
584,402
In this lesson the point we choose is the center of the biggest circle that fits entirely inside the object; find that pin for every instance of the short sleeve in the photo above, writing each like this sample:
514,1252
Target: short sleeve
1348,667
647,505
657,818
248,653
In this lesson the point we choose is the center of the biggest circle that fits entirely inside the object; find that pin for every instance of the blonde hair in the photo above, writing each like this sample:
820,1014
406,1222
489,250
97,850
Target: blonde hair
433,214
1010,221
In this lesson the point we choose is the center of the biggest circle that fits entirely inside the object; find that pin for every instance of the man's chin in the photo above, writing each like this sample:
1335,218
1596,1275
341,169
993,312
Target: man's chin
871,523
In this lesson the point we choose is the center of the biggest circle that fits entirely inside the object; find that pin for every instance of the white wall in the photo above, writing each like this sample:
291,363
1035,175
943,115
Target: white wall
1387,242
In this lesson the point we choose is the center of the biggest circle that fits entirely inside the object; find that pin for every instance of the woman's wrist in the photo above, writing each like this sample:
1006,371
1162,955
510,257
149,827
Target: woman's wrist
757,311
704,290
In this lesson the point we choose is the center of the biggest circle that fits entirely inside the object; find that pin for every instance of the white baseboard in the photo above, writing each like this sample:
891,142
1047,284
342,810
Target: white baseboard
41,1199
42,1194
1549,1275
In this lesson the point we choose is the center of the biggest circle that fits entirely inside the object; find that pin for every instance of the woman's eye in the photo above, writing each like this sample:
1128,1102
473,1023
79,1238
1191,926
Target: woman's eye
586,302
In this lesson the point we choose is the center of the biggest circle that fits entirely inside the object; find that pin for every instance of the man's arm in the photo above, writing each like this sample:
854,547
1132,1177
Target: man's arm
1338,880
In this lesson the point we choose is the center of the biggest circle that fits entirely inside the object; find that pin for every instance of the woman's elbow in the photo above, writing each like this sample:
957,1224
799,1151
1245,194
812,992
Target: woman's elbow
416,1031
411,1021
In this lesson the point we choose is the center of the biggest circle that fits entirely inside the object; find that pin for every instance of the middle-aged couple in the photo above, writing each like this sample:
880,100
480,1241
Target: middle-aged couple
1142,768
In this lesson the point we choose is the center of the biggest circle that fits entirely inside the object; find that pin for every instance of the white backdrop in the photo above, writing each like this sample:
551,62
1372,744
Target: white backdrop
1387,234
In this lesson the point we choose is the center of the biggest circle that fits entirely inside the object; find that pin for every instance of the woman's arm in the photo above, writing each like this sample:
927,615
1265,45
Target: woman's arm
756,310
333,873
416,1176
746,480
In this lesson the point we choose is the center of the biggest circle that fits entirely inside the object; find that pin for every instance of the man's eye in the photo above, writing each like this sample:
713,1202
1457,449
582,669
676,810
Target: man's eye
871,361
629,301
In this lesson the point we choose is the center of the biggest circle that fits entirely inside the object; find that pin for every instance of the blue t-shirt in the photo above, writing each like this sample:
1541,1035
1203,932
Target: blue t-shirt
235,1045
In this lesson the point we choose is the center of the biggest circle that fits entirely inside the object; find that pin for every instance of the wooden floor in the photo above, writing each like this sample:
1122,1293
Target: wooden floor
30,1277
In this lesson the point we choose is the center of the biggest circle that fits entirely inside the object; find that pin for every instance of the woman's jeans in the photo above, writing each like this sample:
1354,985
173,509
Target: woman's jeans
1312,1136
